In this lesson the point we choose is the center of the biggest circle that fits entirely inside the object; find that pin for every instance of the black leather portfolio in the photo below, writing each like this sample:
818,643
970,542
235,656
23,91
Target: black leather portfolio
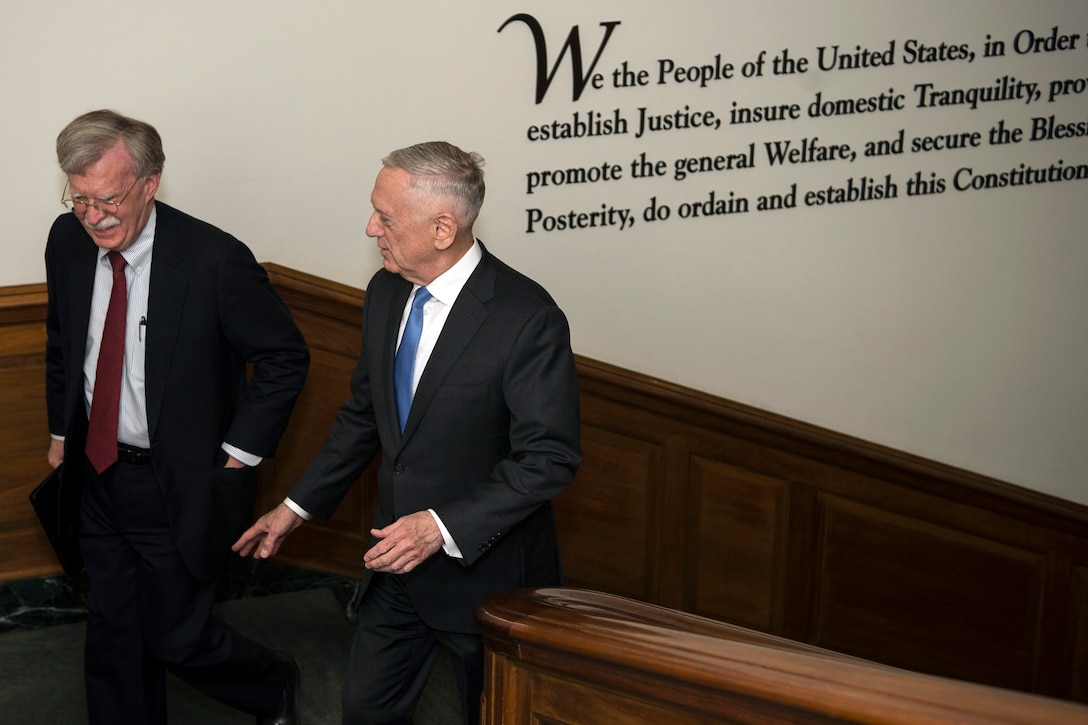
59,516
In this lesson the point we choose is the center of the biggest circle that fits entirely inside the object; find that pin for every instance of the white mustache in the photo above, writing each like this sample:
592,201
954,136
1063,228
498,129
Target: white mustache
108,222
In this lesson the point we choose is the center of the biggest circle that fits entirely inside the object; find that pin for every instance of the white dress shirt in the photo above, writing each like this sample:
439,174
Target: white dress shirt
132,426
444,291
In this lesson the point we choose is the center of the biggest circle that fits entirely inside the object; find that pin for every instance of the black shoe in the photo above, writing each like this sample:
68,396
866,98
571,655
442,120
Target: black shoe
288,715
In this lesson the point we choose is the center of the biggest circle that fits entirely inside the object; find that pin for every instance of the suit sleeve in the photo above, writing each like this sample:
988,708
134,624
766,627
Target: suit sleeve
54,346
259,327
540,387
67,249
351,444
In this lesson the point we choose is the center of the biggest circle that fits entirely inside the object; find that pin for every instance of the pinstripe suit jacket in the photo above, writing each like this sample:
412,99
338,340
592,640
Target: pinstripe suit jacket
210,310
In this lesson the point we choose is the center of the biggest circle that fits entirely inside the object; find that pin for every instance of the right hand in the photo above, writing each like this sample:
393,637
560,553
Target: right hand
56,452
269,532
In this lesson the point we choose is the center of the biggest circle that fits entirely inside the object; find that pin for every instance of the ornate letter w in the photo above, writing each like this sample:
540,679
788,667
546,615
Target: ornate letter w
543,77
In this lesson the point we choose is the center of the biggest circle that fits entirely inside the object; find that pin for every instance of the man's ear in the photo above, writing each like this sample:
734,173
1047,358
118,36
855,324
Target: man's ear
151,184
445,230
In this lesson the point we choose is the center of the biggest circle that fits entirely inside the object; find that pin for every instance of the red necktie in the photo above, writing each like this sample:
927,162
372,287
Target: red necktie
106,401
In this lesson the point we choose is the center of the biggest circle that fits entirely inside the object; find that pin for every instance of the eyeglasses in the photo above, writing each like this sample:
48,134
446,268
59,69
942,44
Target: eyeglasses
106,206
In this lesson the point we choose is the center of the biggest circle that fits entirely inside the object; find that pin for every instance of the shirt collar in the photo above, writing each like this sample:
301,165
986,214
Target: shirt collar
446,286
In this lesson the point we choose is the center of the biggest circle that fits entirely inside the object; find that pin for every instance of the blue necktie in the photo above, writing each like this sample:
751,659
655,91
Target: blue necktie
405,362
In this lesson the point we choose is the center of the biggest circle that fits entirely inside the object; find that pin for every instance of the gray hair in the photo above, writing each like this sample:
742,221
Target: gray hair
85,140
441,169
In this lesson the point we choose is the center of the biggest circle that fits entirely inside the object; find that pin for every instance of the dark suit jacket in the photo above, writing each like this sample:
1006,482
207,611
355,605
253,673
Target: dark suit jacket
210,310
492,437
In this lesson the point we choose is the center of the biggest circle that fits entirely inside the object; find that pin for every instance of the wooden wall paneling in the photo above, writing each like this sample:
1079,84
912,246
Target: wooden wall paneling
818,463
695,503
1052,657
676,497
738,563
914,594
1032,535
25,553
24,432
801,576
24,424
24,549
1074,678
311,420
606,518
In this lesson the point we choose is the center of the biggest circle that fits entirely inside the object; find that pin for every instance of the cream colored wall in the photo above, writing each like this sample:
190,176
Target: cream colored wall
949,326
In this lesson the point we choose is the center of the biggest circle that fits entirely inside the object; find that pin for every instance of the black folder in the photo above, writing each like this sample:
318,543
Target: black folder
58,512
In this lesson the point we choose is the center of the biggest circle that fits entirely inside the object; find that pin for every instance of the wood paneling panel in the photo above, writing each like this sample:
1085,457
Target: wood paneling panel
24,432
605,515
23,427
925,596
1077,641
739,519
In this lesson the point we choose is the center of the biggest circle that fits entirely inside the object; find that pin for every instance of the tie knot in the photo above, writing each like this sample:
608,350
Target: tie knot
117,261
422,295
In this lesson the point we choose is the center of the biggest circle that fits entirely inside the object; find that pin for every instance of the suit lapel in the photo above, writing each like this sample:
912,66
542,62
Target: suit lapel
165,301
81,271
462,324
82,283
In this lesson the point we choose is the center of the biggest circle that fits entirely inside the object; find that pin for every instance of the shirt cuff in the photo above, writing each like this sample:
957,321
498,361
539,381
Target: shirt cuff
449,545
306,515
247,458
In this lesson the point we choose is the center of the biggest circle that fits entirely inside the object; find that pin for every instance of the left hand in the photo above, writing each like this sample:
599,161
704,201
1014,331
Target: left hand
404,544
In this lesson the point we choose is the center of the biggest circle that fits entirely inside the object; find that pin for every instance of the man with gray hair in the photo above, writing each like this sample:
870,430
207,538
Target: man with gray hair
466,385
152,318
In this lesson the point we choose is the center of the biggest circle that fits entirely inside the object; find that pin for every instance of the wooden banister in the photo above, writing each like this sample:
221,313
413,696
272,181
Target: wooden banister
575,656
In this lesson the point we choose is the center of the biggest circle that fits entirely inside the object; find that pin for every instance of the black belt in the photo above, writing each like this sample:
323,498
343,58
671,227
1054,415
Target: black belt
132,454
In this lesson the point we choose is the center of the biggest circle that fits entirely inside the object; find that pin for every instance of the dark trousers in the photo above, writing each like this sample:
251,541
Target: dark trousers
147,614
392,655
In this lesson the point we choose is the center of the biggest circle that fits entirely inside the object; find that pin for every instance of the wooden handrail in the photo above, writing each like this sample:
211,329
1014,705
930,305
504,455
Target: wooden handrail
576,656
